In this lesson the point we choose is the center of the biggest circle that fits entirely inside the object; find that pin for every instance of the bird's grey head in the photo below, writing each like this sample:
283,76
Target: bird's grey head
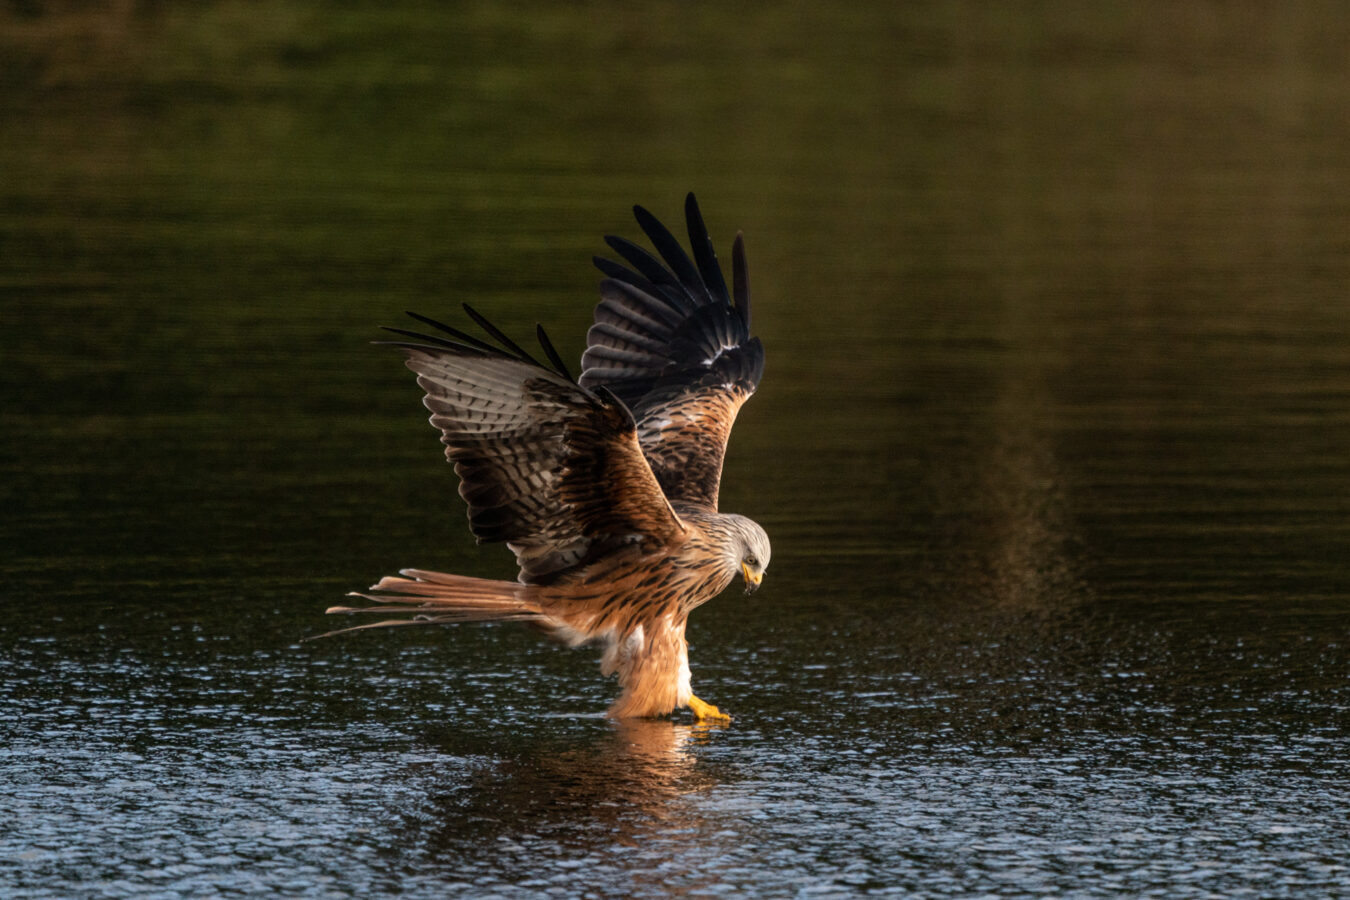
752,547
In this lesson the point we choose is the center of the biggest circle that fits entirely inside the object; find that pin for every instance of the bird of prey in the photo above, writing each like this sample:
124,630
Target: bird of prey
604,486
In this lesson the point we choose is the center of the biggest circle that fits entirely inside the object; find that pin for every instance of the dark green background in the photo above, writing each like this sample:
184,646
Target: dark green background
1051,445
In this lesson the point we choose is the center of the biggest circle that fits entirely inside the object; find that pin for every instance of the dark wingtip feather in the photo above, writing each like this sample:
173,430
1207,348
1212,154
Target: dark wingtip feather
740,277
704,254
614,270
552,353
433,340
648,266
500,335
665,243
459,336
467,343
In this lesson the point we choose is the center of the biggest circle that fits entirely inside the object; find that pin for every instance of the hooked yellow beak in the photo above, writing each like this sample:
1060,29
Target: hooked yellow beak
752,578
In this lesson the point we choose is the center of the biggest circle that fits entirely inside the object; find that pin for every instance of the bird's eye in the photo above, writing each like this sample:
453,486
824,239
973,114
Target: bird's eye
751,561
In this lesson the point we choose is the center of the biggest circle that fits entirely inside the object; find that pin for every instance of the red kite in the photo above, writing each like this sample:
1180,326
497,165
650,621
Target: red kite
604,487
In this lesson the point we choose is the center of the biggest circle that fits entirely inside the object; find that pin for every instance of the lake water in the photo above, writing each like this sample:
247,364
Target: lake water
1051,446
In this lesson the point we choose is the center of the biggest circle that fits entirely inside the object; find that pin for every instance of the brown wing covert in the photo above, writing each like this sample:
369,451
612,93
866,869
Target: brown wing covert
551,468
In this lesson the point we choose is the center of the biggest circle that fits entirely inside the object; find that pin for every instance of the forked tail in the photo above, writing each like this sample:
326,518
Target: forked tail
439,598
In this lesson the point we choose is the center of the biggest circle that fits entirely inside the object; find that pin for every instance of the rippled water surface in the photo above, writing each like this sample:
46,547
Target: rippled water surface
1051,445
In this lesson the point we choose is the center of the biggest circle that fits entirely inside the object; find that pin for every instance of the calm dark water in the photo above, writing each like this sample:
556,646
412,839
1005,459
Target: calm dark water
1052,447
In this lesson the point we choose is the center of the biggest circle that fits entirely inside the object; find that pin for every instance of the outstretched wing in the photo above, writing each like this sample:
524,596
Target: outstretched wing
551,468
669,342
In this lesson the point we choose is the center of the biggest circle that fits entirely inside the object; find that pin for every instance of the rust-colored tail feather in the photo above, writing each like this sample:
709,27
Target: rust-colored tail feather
440,598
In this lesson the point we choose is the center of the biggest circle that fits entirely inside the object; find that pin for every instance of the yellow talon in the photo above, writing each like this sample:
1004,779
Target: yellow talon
707,711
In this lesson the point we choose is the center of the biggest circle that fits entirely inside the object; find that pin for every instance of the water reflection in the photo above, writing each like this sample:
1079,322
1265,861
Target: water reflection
580,801
1003,535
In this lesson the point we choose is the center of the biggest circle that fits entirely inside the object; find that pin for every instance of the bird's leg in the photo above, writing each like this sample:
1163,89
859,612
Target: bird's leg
706,711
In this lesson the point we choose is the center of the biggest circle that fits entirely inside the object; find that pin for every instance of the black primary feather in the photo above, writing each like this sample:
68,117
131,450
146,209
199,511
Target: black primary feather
452,331
665,243
740,278
552,353
500,335
659,326
704,254
677,306
432,341
657,276
467,343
